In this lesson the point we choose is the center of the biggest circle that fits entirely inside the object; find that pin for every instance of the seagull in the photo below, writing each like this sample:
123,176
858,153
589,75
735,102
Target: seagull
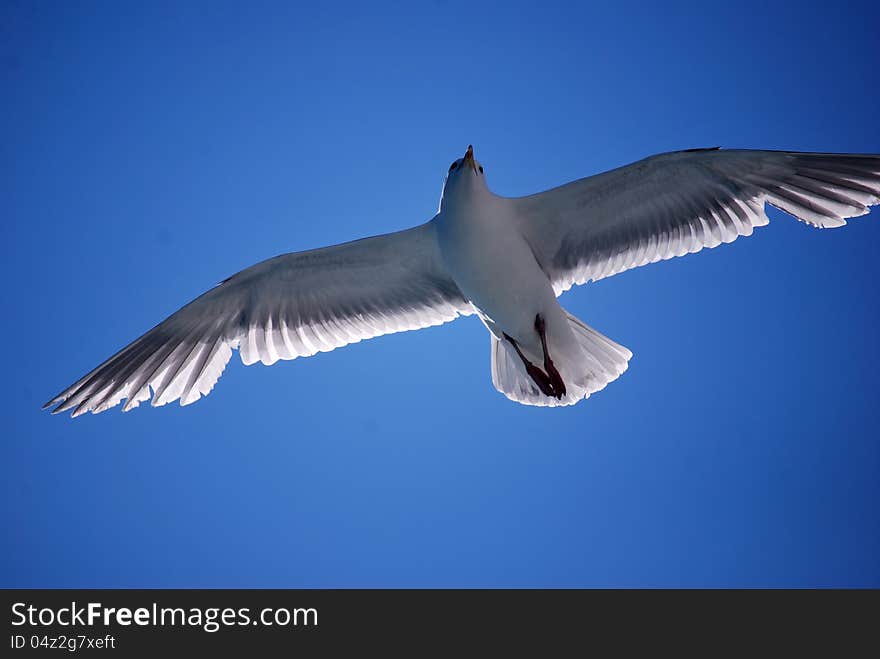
505,260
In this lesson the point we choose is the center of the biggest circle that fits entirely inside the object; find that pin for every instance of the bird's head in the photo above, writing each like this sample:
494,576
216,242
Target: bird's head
465,176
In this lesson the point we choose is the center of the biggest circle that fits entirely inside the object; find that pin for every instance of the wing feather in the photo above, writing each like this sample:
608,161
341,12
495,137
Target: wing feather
290,306
678,203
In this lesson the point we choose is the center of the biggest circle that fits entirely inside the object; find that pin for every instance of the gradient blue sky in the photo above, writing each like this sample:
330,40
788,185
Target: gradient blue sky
149,150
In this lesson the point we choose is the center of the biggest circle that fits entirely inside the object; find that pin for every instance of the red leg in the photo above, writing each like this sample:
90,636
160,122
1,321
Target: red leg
544,383
553,375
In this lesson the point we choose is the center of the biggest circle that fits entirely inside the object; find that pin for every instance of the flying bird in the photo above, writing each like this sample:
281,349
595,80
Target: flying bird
504,259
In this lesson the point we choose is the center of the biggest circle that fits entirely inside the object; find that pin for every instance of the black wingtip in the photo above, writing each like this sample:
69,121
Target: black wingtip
707,148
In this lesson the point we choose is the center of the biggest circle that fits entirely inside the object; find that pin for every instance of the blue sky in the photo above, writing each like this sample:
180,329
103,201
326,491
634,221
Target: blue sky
149,150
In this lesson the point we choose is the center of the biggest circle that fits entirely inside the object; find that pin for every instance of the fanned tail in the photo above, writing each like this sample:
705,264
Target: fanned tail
602,361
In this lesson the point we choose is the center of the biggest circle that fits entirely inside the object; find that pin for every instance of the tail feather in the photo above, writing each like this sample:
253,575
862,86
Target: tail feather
603,362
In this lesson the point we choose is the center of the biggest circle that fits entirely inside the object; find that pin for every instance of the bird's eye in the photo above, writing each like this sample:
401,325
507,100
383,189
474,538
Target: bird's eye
481,169
453,166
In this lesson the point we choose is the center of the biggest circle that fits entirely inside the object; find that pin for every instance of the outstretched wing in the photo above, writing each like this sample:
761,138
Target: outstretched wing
290,306
678,203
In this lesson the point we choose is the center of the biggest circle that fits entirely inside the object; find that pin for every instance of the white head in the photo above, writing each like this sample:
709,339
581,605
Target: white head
465,177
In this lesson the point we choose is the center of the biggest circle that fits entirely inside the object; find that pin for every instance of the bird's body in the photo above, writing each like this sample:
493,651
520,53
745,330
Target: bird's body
505,259
494,267
482,247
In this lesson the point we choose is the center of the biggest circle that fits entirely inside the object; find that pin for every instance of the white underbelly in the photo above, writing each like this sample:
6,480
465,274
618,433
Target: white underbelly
494,267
